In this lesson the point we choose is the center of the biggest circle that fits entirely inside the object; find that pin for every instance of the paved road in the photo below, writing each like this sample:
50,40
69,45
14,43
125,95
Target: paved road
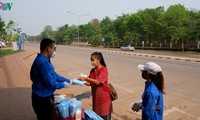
182,81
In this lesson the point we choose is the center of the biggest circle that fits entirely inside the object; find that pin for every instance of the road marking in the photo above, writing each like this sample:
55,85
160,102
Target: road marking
26,64
192,116
26,57
167,112
128,90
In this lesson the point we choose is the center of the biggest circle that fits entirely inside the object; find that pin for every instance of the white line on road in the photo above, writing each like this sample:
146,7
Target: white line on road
176,109
192,116
166,112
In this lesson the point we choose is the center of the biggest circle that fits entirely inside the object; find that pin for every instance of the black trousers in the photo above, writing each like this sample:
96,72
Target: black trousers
43,107
107,117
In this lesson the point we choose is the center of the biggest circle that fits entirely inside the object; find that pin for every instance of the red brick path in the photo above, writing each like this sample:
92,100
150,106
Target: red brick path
15,88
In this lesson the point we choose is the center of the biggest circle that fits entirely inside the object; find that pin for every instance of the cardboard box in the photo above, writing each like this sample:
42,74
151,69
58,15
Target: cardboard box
91,115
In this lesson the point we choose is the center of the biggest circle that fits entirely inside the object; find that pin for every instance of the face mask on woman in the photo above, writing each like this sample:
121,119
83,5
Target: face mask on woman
94,63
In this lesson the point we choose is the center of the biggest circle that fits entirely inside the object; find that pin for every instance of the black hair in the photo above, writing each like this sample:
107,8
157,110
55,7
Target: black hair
99,56
158,80
45,43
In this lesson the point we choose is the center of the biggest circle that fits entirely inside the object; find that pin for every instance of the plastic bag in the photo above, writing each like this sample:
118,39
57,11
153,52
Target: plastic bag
63,108
74,106
58,98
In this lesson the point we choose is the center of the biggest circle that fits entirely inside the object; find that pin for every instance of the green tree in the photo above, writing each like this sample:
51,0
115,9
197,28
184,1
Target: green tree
2,28
107,30
120,28
89,31
152,23
47,32
71,34
96,35
194,25
60,34
11,31
134,28
176,18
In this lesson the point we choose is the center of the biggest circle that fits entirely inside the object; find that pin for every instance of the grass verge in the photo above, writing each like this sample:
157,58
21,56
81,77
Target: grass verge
4,52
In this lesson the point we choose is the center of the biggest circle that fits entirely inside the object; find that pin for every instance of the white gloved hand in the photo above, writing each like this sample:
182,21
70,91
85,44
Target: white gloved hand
136,106
77,82
66,84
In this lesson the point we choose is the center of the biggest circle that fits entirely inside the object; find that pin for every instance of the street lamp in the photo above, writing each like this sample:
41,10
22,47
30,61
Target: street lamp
78,16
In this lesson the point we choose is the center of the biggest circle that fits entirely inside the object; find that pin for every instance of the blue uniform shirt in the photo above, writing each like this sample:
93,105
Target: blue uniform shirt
45,79
152,102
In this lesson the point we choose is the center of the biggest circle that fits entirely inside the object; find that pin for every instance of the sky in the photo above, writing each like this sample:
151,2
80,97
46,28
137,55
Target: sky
33,15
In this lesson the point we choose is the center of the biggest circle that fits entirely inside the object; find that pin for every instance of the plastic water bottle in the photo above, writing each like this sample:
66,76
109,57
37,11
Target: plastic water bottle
78,114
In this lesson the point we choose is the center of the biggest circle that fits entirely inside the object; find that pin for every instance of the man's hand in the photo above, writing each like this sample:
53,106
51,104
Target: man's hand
66,84
136,106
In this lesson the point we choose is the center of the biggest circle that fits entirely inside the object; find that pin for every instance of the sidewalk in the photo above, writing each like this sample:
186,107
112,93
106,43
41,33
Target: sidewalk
15,88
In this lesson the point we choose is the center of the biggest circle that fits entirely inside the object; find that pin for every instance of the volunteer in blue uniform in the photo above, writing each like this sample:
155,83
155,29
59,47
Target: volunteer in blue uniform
45,80
152,98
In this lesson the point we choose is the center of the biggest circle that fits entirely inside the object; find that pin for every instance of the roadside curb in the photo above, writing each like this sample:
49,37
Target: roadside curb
150,55
27,56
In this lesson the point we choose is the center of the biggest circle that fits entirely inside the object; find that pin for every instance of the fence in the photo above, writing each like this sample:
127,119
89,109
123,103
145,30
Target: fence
187,45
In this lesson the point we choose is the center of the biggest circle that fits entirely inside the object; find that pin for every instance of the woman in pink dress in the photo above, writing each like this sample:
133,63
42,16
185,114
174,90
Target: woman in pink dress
98,80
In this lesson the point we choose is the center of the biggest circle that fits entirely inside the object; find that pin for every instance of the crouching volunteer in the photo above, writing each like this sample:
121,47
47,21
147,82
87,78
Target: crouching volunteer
45,80
152,98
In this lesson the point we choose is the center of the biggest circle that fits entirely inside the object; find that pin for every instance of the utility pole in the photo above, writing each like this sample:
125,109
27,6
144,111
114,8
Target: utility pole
78,16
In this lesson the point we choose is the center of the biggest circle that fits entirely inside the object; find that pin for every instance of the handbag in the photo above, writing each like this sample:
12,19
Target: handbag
111,89
113,92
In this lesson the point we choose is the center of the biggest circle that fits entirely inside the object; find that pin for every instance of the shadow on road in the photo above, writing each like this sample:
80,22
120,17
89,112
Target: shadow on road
83,96
123,117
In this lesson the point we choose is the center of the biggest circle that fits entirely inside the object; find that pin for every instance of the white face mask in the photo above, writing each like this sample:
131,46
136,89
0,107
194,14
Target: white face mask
53,54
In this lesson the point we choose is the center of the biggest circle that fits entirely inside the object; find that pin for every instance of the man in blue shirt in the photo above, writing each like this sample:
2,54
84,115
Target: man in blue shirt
45,80
152,98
